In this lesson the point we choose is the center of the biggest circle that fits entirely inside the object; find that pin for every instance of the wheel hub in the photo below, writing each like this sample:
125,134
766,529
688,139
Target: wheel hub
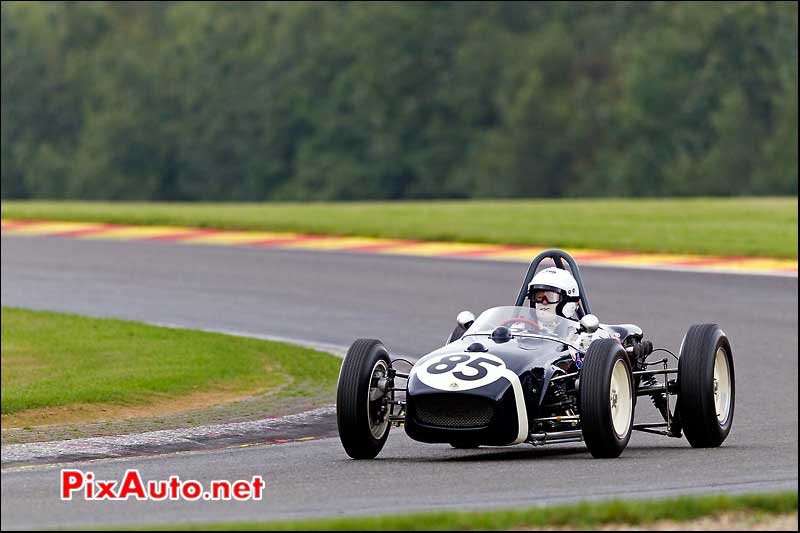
620,399
722,386
376,410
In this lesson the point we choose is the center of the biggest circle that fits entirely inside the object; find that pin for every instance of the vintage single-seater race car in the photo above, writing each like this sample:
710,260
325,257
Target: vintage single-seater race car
515,375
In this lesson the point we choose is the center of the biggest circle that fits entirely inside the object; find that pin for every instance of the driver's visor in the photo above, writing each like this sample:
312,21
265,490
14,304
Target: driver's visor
541,296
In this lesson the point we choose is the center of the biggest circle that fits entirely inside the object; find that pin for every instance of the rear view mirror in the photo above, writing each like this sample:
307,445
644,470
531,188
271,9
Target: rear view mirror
590,323
465,319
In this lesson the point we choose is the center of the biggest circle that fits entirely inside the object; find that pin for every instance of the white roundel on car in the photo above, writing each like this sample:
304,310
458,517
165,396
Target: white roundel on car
461,371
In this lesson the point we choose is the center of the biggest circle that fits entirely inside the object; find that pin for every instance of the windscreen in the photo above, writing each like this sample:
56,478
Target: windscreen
525,321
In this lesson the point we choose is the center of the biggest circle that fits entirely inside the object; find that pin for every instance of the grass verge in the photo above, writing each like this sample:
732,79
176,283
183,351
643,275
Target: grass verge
582,515
59,368
721,226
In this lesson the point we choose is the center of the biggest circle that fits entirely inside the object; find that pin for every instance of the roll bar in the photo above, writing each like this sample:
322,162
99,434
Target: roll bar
558,257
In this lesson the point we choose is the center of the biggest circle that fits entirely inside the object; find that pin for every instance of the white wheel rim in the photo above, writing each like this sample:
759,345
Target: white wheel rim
620,399
376,427
722,386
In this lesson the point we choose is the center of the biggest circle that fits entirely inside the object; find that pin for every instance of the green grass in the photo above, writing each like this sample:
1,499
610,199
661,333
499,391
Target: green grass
727,226
583,515
55,360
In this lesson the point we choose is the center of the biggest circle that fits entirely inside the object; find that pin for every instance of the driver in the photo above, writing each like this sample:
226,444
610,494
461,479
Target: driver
553,291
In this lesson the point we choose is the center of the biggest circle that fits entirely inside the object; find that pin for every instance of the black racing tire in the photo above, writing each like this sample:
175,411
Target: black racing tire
353,407
606,399
705,356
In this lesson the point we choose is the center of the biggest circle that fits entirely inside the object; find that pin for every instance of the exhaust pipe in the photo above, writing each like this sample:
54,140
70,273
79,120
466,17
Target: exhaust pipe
556,437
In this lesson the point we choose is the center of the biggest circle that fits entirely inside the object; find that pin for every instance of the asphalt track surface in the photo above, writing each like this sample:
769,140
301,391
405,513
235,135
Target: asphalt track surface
410,303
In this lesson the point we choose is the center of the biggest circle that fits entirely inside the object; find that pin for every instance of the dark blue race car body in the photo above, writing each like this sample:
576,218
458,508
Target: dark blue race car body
490,414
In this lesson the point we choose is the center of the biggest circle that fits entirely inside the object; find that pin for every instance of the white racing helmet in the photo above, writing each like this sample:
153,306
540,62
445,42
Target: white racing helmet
554,291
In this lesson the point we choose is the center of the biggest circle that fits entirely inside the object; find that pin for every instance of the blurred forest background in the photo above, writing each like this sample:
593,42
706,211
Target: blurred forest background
256,101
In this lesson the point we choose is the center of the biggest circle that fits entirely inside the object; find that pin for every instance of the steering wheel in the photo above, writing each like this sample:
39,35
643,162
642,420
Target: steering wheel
520,319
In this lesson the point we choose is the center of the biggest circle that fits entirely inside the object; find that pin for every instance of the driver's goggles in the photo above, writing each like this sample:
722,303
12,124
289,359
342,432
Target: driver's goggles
551,297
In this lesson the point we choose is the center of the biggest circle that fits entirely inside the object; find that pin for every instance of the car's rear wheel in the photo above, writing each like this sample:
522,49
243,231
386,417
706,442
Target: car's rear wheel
361,410
607,399
706,386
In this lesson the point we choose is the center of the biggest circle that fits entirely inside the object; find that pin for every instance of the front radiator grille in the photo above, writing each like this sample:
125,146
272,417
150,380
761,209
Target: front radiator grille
453,411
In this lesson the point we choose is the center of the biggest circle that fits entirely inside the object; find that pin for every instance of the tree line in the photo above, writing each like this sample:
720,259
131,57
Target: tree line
245,101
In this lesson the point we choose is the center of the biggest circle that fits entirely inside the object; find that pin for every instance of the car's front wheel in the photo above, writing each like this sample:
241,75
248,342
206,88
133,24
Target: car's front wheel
607,399
361,411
